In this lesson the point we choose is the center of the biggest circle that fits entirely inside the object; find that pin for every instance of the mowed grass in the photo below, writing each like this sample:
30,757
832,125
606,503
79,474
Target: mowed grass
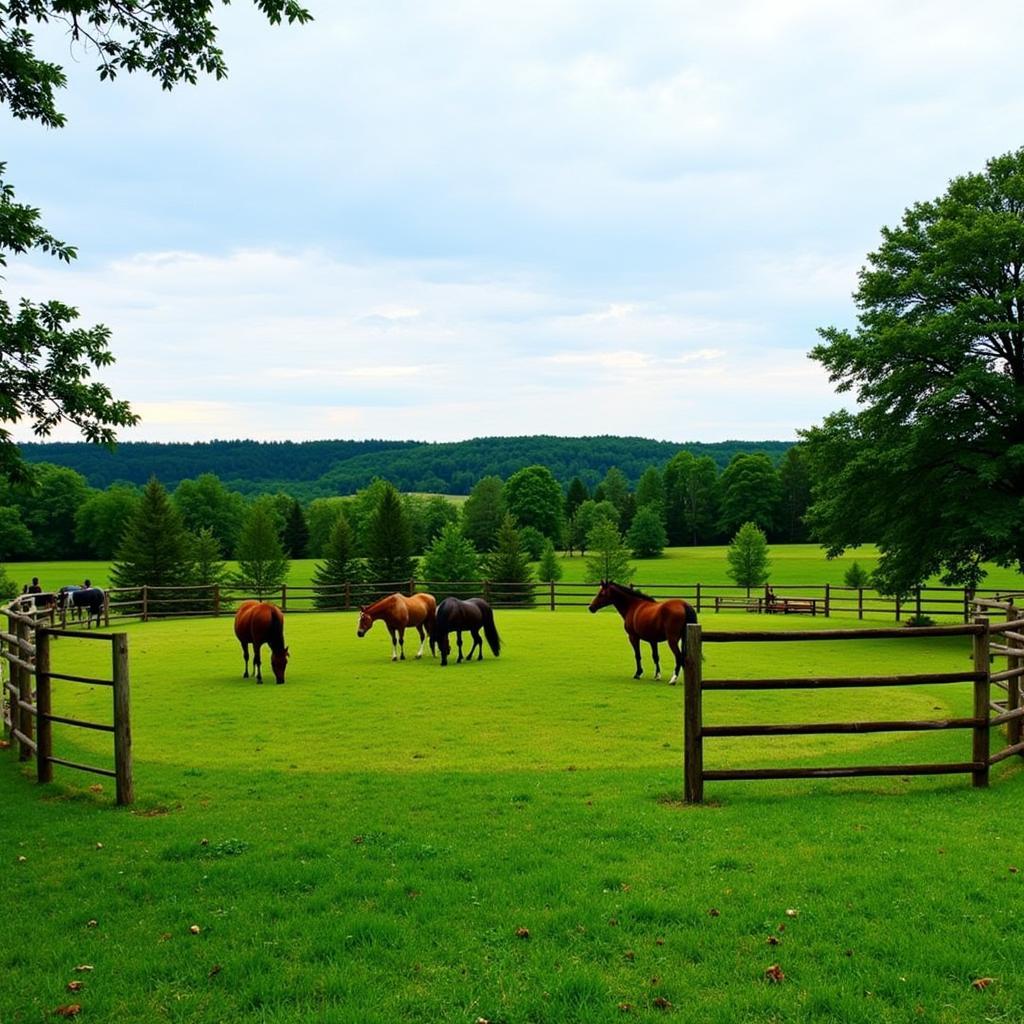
503,840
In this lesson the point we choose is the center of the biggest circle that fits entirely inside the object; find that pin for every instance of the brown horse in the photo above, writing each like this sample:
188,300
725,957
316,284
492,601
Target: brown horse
399,612
650,620
258,623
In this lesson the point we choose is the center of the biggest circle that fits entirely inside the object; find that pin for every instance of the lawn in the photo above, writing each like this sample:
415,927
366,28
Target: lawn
502,840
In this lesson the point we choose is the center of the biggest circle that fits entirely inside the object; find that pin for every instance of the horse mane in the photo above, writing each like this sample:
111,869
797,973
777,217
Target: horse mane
632,591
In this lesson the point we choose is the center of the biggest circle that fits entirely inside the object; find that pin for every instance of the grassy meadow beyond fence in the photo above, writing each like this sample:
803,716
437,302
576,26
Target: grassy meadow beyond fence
504,841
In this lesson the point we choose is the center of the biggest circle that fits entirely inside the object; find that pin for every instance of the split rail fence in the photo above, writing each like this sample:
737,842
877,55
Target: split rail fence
988,640
26,649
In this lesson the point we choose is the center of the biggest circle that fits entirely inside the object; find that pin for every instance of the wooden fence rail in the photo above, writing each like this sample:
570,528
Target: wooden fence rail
26,648
980,723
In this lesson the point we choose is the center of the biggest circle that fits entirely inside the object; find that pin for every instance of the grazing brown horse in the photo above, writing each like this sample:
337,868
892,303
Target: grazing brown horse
258,623
650,620
399,613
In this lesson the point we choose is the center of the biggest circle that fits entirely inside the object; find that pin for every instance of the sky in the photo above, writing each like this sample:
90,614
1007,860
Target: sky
450,220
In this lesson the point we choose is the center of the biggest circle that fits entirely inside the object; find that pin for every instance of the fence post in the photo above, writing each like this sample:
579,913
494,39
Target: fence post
552,595
487,591
145,603
348,595
284,597
897,607
860,602
693,738
982,687
412,586
25,723
9,720
1013,662
216,599
44,708
828,600
122,721
698,599
106,610
917,605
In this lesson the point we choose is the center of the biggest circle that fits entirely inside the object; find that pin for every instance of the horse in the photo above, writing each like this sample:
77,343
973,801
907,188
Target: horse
474,615
88,598
64,599
258,623
649,620
399,612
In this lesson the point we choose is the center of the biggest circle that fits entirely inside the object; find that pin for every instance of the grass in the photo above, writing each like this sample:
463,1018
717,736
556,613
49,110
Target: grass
368,841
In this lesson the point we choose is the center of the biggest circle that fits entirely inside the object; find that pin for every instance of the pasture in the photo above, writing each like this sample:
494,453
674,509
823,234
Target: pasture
502,840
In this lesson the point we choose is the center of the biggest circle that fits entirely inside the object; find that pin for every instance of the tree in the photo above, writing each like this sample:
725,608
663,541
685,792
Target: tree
650,490
46,361
750,493
747,557
615,488
15,537
549,568
321,517
588,515
206,502
484,511
262,563
452,558
691,499
334,576
856,576
101,520
575,497
646,536
208,569
48,506
533,542
609,556
795,495
389,541
534,498
295,536
932,466
438,512
508,565
155,548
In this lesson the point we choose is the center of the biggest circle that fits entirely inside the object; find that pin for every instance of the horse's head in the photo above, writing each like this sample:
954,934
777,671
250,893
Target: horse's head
603,597
365,622
279,662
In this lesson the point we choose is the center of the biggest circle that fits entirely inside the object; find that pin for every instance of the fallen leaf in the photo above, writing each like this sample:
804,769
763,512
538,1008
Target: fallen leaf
774,974
96,787
194,929
982,983
5,744
522,933
75,986
792,912
71,1010
22,858
99,846
82,968
662,1003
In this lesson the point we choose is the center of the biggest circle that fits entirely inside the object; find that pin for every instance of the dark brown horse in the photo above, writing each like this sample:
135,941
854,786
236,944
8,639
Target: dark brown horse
474,615
258,623
398,612
649,620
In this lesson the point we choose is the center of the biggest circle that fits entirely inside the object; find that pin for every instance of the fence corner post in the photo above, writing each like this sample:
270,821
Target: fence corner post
693,737
44,708
122,721
982,695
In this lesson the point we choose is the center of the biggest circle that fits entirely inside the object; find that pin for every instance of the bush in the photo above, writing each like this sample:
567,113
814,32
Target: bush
919,620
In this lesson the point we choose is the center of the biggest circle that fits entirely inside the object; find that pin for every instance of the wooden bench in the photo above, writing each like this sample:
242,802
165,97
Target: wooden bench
750,604
793,605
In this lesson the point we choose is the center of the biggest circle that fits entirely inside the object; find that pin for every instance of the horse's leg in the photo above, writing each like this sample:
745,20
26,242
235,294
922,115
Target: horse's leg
441,640
657,660
257,663
477,642
245,654
677,651
635,641
459,635
423,640
394,643
401,642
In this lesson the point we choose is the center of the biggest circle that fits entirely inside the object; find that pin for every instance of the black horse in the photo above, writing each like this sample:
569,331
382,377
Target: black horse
88,598
455,615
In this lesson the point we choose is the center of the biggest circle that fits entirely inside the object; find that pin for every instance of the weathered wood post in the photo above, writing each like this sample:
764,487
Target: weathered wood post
216,599
26,725
1013,663
982,688
917,602
860,602
145,603
44,708
106,610
897,607
122,721
697,609
552,582
828,600
693,739
284,597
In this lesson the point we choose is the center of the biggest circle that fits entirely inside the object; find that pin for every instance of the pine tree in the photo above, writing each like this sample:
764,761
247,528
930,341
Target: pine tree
155,549
262,563
295,536
549,569
609,556
208,569
452,558
334,576
509,567
389,541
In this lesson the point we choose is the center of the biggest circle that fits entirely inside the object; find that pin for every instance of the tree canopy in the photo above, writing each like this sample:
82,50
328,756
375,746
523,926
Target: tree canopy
931,468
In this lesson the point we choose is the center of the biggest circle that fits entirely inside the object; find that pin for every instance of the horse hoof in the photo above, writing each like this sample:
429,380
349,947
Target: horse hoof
639,675
672,681
394,657
418,656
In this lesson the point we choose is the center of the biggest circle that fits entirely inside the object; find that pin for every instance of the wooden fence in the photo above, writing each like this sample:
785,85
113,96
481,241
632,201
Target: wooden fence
980,723
821,599
28,715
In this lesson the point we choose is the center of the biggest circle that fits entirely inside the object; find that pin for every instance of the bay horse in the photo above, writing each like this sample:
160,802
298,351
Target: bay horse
648,620
258,623
473,615
398,613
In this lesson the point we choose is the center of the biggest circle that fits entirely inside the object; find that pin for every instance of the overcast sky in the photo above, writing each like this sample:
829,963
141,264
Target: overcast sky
447,220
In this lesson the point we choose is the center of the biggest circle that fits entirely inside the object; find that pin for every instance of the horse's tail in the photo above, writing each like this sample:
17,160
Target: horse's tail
490,631
430,622
691,615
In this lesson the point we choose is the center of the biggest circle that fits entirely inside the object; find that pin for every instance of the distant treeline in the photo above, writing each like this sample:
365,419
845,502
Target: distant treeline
318,469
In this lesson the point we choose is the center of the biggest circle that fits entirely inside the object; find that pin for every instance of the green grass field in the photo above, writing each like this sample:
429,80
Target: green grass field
369,841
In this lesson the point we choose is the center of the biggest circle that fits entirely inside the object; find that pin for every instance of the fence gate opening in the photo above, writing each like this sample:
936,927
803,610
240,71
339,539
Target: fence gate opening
28,716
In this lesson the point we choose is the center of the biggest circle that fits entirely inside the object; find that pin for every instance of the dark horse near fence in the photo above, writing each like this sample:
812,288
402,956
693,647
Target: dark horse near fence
649,620
89,599
455,615
398,613
258,623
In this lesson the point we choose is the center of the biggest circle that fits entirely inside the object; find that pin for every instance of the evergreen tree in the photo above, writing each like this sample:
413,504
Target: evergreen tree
334,576
748,557
508,565
295,536
646,535
483,512
549,569
208,570
452,558
262,563
795,487
155,548
577,494
609,556
388,543
856,576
